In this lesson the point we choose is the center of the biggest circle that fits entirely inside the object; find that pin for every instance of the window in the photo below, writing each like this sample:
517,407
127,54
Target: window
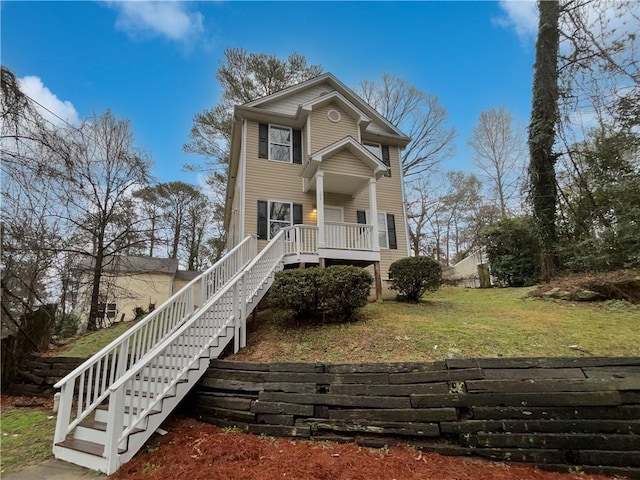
282,144
274,215
380,151
386,228
279,217
279,143
374,148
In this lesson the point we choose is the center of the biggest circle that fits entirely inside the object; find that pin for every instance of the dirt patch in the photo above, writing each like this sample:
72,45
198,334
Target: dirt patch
197,451
41,403
618,285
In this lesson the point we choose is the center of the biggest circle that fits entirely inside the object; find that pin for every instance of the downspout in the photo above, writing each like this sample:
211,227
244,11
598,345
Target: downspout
404,203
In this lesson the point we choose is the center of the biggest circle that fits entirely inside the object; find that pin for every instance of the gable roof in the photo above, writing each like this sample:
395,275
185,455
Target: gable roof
337,85
258,110
347,143
133,264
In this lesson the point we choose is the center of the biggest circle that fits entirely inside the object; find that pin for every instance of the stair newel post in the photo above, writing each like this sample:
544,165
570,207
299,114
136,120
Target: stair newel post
115,426
64,411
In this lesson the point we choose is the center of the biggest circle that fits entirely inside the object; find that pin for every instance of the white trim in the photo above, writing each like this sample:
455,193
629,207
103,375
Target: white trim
337,84
369,220
404,203
335,114
308,136
269,142
243,178
269,202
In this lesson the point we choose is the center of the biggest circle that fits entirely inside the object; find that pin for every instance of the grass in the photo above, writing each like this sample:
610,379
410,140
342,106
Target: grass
458,323
87,344
26,435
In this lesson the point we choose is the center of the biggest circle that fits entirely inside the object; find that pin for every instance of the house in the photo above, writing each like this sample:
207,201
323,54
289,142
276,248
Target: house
317,161
470,272
130,284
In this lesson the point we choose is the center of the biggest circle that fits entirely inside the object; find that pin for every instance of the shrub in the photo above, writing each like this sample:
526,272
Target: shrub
344,290
337,291
297,291
411,277
66,325
513,251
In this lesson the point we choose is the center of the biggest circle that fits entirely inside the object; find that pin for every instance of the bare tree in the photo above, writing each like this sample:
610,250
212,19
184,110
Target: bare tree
419,115
94,190
499,150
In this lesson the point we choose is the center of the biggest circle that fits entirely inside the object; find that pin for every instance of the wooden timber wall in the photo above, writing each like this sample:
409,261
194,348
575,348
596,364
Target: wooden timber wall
38,375
557,413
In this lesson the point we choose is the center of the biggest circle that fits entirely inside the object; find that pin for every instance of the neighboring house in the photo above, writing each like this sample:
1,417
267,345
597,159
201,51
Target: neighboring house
129,283
470,272
318,161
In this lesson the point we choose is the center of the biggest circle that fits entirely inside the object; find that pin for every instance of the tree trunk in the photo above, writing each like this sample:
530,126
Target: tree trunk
544,115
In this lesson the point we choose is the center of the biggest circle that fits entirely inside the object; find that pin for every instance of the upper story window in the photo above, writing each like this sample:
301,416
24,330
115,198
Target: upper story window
380,151
279,143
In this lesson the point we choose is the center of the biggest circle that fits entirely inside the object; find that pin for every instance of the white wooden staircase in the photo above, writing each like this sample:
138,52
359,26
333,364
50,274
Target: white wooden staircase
111,404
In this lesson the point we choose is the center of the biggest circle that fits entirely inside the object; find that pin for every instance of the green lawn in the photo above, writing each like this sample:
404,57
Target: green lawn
86,345
455,322
26,435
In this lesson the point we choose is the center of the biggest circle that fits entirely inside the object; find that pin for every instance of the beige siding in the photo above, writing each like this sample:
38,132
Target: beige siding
346,163
128,291
324,132
272,180
289,105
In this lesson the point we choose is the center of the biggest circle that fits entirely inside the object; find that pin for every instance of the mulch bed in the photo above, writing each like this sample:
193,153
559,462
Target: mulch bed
617,285
198,451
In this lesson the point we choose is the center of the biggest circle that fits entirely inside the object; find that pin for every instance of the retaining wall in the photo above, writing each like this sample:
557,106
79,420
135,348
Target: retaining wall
558,413
38,375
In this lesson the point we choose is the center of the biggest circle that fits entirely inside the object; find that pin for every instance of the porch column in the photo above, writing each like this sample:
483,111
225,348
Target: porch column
320,207
373,210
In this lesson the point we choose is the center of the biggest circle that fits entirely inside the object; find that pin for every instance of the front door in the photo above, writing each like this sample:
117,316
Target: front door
334,234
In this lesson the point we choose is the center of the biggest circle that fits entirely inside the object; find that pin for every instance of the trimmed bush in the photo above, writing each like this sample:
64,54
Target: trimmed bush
411,277
337,292
344,290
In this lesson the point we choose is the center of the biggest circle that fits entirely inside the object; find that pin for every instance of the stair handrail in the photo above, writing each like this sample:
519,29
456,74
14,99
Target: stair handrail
99,372
226,308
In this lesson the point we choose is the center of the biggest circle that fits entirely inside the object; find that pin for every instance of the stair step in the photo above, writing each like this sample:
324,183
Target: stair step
86,447
105,407
102,426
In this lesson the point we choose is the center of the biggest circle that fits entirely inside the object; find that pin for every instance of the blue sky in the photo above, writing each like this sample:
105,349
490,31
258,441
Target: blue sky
155,63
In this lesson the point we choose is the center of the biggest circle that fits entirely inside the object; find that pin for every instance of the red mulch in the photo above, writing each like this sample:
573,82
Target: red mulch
198,451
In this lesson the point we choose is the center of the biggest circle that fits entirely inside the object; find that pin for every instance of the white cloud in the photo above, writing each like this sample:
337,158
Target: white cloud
170,19
34,88
521,15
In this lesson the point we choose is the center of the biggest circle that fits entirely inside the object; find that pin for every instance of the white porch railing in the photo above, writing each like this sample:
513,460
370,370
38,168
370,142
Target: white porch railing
301,239
163,367
94,378
348,236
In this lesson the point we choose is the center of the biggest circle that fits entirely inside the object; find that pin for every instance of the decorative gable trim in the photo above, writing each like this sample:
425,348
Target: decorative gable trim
338,98
348,143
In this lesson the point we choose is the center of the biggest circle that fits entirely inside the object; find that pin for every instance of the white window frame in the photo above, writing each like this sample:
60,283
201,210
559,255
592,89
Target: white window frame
367,144
269,220
380,229
290,144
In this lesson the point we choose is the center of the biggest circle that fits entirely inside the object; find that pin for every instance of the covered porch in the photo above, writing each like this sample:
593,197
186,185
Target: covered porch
345,168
